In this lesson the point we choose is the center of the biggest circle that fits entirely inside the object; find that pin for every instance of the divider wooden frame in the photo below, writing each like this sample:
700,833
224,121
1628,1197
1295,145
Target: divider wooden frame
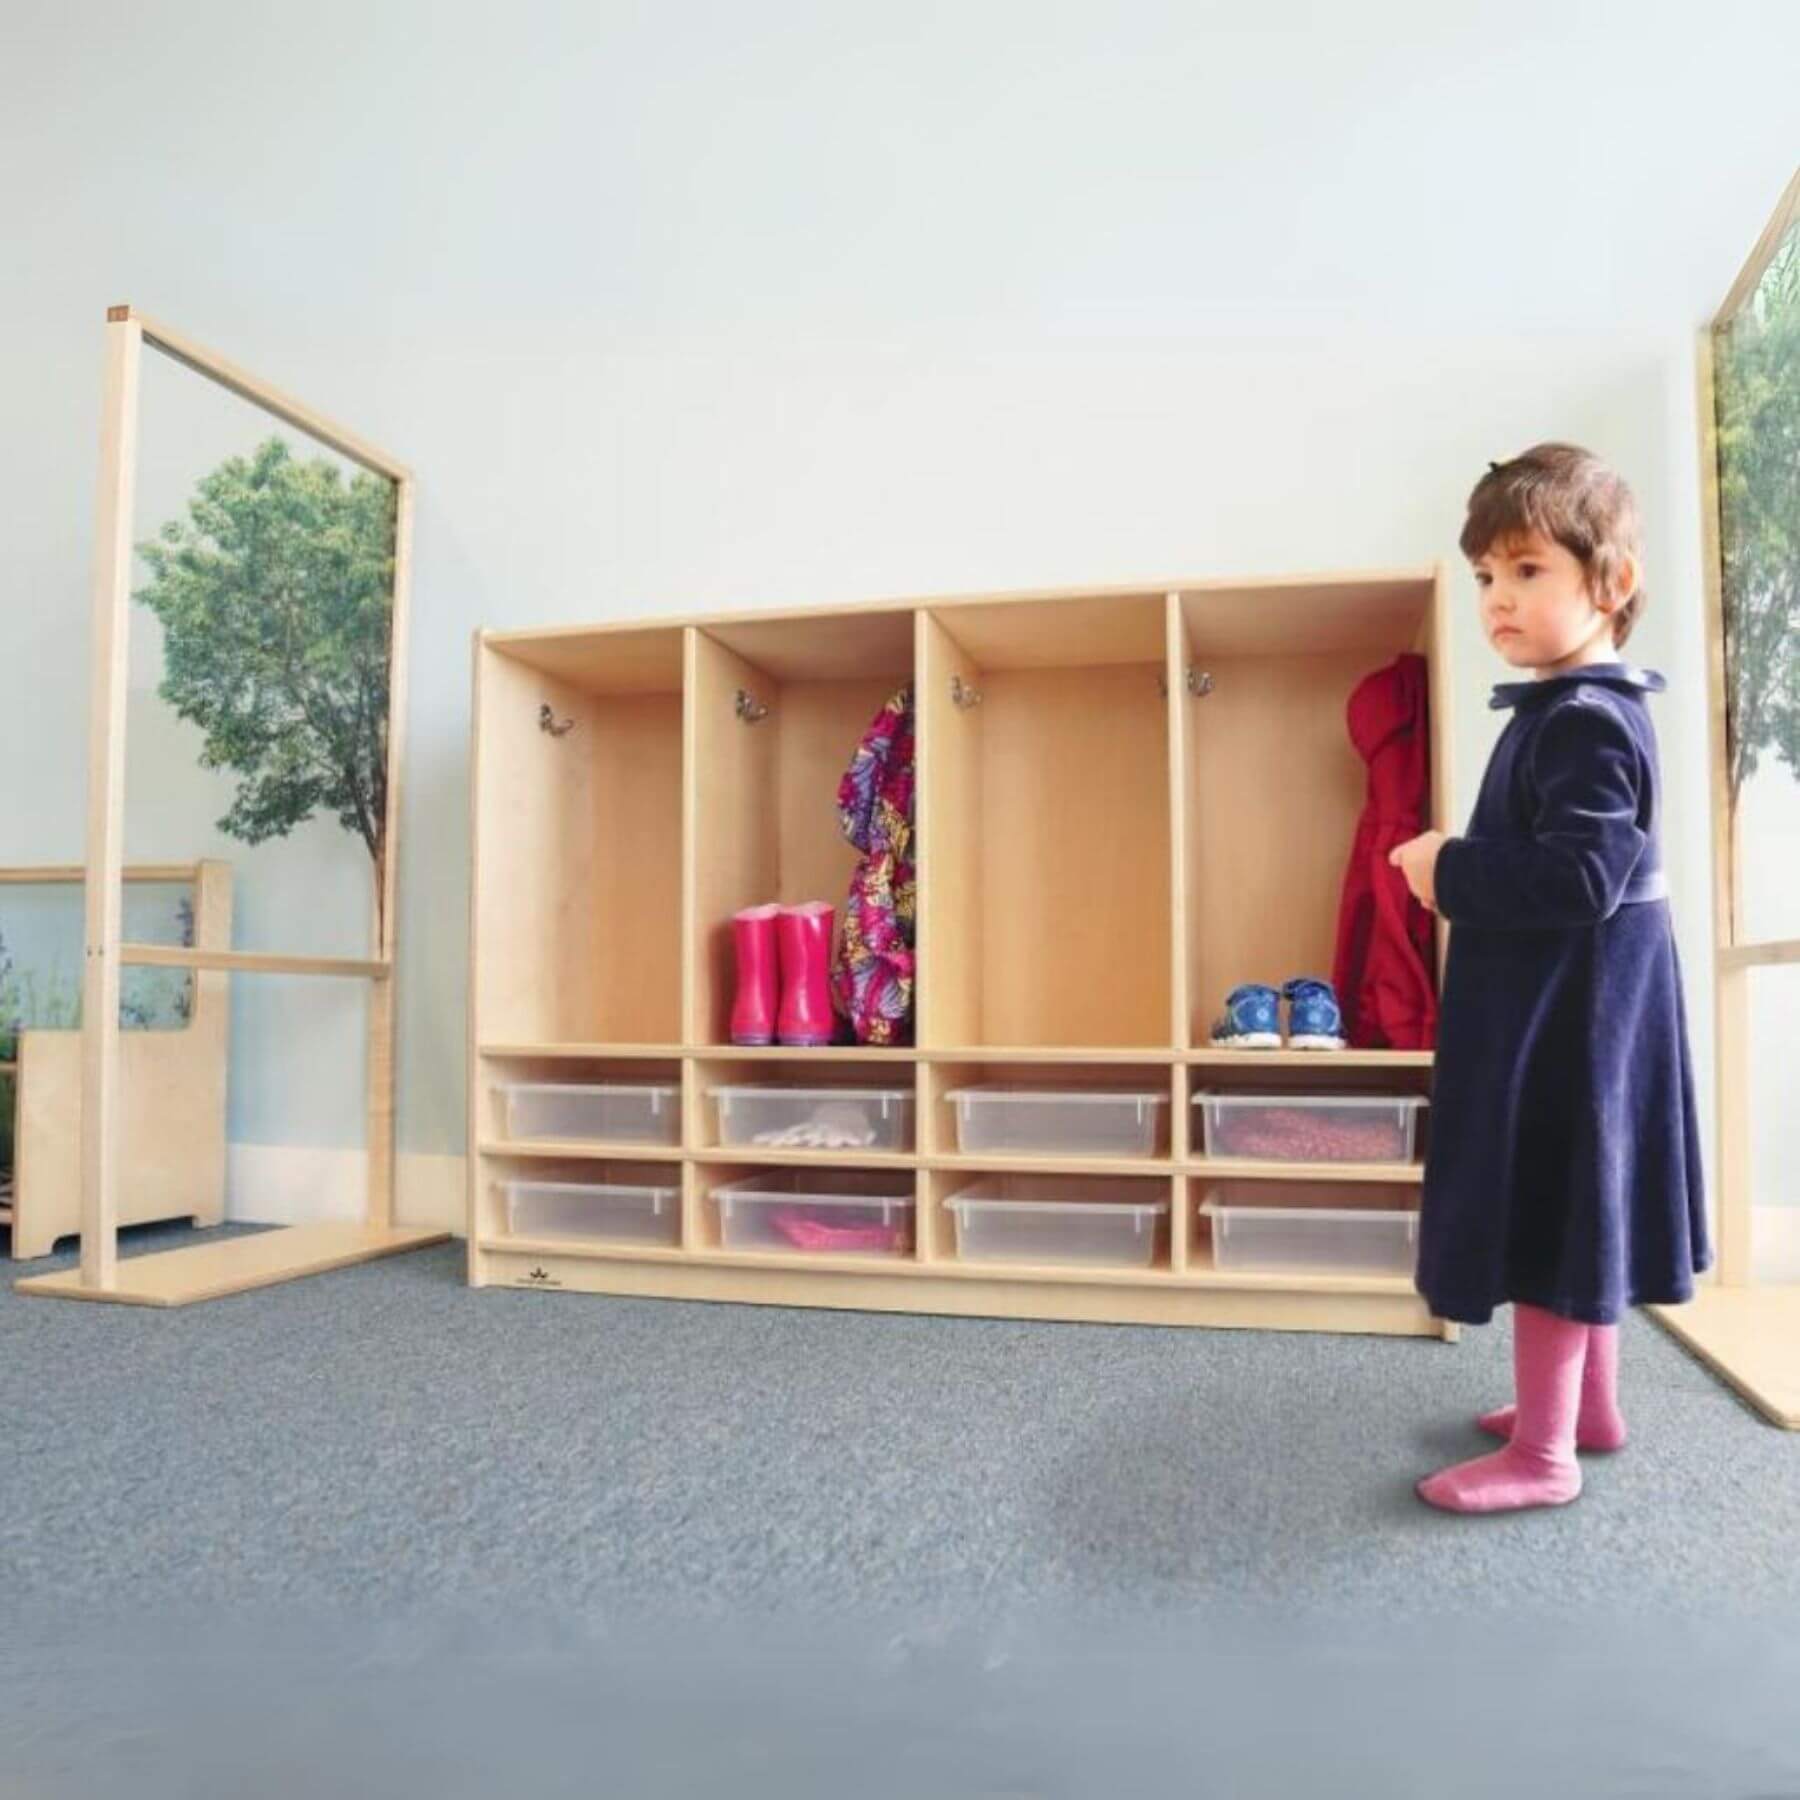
175,1277
1085,827
1747,1332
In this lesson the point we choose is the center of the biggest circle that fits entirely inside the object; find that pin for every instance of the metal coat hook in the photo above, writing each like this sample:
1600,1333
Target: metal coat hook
1199,682
547,721
962,695
750,709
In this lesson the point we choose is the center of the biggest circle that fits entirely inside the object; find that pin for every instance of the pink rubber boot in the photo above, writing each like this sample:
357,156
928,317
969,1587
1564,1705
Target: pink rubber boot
753,1008
1538,1467
804,934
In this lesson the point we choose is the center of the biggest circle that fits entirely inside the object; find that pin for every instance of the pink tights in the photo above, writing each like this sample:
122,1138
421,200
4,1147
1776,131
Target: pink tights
1599,1425
1566,1376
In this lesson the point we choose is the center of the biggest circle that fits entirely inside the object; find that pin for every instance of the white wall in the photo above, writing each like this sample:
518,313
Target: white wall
684,307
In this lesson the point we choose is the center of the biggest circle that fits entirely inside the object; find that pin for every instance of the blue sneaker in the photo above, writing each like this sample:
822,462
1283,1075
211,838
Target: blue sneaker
1251,1020
1314,1022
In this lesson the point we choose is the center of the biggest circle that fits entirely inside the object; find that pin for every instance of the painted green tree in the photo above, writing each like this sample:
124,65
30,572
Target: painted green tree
1757,379
276,601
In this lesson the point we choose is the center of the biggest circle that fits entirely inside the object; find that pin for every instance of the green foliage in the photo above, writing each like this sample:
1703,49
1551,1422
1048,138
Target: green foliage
32,999
155,999
150,999
50,1000
1757,373
37,1000
276,598
27,999
160,999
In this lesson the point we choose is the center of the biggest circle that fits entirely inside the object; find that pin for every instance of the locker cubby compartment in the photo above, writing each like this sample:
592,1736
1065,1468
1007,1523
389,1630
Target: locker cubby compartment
1297,1227
1001,1217
1320,1125
580,1200
1324,1073
588,1104
579,752
1028,1112
808,1211
779,1106
1045,823
1272,786
779,708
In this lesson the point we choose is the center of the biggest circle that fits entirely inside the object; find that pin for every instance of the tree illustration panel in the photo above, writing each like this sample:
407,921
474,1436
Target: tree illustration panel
1756,381
1756,372
257,712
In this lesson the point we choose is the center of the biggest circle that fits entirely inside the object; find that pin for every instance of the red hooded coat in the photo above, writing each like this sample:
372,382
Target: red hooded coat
1385,968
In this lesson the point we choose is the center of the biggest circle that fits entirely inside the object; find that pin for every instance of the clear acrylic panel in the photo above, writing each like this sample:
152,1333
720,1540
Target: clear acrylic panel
41,934
1756,369
259,631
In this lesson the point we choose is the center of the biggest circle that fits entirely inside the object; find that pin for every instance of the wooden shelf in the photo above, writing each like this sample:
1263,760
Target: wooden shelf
1149,1168
1101,856
1006,1164
581,1150
1248,1168
760,1155
1298,1281
834,1053
595,1250
1150,1054
847,1263
1299,1302
1322,1060
1052,1053
583,1247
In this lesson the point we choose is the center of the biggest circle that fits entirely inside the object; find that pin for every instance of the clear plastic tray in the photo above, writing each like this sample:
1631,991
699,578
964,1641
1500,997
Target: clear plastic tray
1059,1219
830,1212
815,1118
610,1211
1272,1127
1364,1227
1052,1121
593,1112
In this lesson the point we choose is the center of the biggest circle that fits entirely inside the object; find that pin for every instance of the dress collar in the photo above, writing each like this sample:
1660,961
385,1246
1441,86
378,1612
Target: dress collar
1610,674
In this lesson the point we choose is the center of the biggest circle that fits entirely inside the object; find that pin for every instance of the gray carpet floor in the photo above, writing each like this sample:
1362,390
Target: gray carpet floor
376,1533
383,1437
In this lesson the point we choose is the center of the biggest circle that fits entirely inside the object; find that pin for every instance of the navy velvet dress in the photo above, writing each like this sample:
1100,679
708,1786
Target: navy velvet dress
1563,1166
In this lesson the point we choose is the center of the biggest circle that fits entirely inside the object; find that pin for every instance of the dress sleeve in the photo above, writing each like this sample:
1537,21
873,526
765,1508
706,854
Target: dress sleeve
1584,840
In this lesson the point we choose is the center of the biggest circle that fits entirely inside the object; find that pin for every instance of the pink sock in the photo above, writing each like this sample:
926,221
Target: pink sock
1600,1425
1538,1467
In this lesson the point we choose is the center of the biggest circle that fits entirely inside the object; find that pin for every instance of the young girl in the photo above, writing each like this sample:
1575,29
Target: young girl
1563,1173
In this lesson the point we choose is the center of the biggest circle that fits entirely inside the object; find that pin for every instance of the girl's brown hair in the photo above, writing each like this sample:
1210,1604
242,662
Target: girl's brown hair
1570,496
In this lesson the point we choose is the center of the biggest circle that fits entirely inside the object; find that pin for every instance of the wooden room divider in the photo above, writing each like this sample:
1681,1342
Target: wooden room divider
175,1277
1747,1330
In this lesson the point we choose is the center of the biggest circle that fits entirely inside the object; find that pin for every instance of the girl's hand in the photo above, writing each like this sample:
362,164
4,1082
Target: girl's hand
1416,859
